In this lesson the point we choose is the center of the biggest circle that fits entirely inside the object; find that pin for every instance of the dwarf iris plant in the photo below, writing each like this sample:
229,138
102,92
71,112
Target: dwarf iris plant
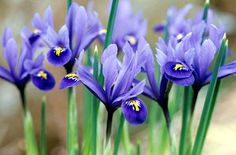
123,77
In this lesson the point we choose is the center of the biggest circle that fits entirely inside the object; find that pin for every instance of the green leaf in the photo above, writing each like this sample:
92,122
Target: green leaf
205,11
30,142
95,104
43,128
185,120
72,128
111,22
209,101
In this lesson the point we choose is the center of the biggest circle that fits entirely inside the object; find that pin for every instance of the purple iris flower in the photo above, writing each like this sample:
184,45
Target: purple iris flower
188,62
80,30
128,26
40,25
179,25
24,67
119,90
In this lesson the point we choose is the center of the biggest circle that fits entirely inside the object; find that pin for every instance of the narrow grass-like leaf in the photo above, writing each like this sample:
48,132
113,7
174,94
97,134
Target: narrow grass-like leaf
126,144
138,148
43,128
72,128
87,114
152,126
29,136
205,11
30,142
69,2
111,22
185,120
95,104
119,134
209,102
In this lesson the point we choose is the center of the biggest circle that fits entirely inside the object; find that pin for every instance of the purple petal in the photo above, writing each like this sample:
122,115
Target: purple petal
177,70
206,55
159,28
70,80
135,111
59,56
88,80
110,66
224,71
48,16
181,81
133,92
7,34
5,74
11,55
51,36
64,36
43,80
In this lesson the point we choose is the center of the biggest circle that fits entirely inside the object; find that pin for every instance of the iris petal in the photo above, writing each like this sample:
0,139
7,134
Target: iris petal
177,70
135,111
43,80
70,80
59,56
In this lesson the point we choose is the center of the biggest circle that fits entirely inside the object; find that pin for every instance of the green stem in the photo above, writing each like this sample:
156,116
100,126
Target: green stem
72,129
109,124
119,133
94,123
43,128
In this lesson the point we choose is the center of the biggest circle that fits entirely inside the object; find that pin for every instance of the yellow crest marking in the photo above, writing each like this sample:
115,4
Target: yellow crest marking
131,39
42,74
179,67
179,36
102,31
135,104
71,75
58,50
36,31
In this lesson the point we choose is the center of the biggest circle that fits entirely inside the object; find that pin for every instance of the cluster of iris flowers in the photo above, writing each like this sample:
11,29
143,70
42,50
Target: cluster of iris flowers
185,54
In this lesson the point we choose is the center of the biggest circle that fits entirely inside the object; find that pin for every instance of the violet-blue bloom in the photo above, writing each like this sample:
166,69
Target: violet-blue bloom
193,55
179,25
41,24
24,68
119,90
80,30
128,26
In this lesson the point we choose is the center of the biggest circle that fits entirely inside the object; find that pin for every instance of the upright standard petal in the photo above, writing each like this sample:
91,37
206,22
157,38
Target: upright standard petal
5,74
43,80
87,79
11,55
135,111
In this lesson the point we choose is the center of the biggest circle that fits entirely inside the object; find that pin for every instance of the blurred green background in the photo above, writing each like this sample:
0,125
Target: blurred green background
18,13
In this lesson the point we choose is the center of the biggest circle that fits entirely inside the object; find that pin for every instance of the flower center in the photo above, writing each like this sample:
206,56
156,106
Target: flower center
58,50
42,74
135,104
179,67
